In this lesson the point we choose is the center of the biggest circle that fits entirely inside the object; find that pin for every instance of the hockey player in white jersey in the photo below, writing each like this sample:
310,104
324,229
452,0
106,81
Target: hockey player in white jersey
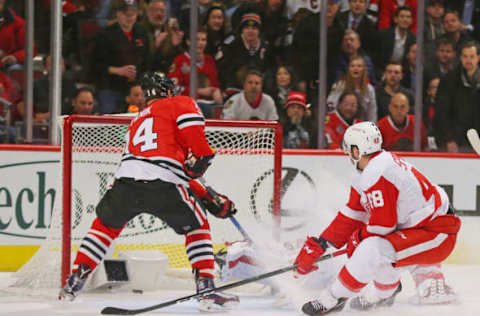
395,219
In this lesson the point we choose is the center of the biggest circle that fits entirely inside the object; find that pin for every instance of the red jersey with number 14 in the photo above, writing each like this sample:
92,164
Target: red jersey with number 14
159,139
388,195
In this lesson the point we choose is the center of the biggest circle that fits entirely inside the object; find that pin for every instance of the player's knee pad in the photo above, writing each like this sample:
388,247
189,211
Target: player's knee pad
374,251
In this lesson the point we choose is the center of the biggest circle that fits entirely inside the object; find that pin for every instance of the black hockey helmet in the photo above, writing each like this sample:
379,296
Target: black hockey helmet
156,85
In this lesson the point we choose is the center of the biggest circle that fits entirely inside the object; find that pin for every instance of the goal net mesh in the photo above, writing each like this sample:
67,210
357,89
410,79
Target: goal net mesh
243,169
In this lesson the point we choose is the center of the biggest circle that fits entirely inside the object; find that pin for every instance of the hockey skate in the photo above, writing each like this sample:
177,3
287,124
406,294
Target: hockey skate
75,283
434,291
216,301
361,303
325,304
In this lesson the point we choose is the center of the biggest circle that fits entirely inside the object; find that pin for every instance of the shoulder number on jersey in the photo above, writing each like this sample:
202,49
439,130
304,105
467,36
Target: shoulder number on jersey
145,135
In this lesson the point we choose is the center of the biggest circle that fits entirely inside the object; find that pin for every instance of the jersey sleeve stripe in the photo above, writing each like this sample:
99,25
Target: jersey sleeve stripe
380,230
356,215
190,121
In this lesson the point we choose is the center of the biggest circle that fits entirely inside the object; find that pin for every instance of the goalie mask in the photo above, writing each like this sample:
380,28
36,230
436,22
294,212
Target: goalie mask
157,85
365,136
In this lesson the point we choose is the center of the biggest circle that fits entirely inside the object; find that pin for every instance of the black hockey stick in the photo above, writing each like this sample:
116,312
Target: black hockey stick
125,311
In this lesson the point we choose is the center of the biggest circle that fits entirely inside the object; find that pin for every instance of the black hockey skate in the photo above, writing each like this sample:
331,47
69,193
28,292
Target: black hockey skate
362,304
75,283
325,304
216,301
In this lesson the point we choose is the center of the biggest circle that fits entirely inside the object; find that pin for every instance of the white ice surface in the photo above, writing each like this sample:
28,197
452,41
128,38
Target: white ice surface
465,279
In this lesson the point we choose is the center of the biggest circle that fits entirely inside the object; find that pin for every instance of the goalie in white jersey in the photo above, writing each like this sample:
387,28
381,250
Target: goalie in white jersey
395,219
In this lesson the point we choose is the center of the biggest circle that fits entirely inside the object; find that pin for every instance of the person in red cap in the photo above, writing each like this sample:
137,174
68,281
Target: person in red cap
295,134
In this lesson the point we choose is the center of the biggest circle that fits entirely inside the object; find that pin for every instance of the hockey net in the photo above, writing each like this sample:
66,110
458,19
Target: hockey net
247,168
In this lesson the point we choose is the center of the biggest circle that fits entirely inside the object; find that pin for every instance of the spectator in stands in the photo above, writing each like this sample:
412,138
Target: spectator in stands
389,87
469,13
429,105
389,10
12,37
341,118
433,26
218,30
295,135
274,22
444,61
156,23
305,58
121,53
356,19
8,95
169,48
41,93
457,102
398,127
82,103
251,103
284,82
208,91
351,47
356,80
454,30
408,66
247,51
135,100
394,42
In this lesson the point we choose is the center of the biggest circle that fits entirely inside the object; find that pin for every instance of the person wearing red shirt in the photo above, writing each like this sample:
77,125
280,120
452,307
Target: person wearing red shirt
208,91
398,126
339,120
388,8
12,37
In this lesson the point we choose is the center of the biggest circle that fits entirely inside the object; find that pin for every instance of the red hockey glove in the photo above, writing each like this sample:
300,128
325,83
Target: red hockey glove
353,242
312,249
195,168
217,204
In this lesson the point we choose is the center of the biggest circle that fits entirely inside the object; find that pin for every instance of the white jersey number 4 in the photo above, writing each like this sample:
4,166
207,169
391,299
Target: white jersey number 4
145,135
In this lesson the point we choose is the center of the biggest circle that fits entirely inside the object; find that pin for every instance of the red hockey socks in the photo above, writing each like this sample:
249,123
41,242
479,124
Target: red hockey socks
200,251
95,245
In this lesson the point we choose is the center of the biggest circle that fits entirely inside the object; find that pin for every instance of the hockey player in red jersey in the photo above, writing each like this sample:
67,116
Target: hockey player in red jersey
395,219
156,177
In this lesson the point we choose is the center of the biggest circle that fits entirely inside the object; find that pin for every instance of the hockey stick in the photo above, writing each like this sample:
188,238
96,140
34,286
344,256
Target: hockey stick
231,217
240,229
474,140
125,311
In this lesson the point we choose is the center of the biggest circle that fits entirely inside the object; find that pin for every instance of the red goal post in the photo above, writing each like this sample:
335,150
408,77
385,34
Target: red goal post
236,138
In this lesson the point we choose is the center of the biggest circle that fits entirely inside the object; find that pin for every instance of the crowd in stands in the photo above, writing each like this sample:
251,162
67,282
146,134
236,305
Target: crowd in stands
259,60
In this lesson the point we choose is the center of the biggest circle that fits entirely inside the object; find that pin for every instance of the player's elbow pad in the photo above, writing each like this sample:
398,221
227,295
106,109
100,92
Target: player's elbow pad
198,168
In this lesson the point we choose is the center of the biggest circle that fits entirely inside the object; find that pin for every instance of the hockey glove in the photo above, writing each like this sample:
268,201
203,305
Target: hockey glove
195,168
354,241
312,249
218,204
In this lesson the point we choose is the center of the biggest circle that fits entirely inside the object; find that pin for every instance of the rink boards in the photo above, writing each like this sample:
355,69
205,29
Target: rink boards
315,186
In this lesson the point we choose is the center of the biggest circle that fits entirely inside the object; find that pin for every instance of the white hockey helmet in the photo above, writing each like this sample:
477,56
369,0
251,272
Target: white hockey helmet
365,136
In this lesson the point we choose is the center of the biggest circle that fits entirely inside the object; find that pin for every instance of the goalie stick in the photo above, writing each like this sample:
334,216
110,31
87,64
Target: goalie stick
125,311
474,140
